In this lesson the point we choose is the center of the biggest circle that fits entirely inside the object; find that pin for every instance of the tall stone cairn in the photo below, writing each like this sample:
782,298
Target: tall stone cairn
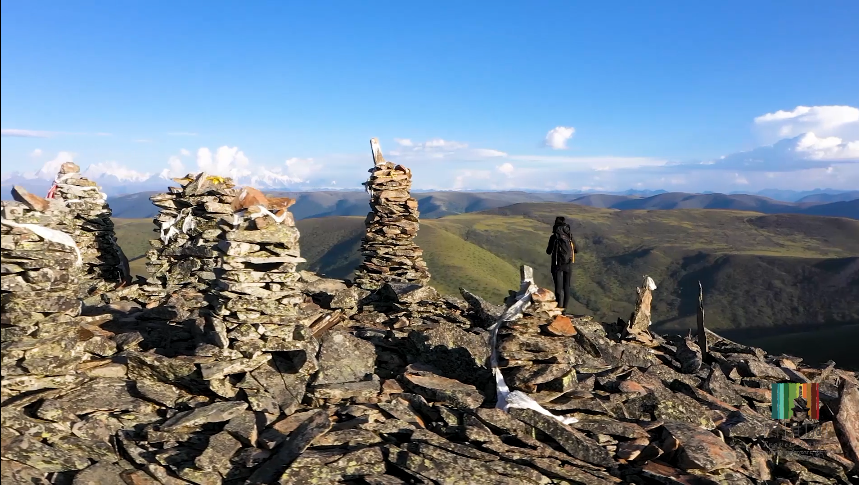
92,229
190,223
390,254
39,292
258,281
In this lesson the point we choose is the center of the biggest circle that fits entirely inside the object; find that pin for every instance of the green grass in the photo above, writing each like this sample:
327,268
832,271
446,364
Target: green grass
757,270
133,236
460,264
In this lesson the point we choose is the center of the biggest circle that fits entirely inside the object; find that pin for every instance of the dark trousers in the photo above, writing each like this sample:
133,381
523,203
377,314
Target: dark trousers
561,277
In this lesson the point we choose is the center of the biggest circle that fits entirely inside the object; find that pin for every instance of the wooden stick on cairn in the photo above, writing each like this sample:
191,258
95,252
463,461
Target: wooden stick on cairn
702,333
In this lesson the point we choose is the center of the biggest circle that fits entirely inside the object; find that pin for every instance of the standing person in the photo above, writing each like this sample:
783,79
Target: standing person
562,247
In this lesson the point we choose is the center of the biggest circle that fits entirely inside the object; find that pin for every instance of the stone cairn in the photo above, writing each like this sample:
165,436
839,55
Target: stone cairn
258,285
40,272
48,347
185,255
92,229
390,254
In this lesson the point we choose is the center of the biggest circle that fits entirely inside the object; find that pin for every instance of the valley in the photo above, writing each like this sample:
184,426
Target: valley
768,273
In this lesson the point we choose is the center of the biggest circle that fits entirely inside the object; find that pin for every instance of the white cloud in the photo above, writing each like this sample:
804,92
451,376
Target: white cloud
11,132
121,172
232,162
829,148
36,153
739,179
557,137
437,149
175,168
25,133
300,169
825,121
506,168
439,143
94,171
184,153
226,161
488,152
50,169
578,164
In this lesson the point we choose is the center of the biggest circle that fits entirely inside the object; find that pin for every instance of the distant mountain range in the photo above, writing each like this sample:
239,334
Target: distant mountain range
128,200
439,204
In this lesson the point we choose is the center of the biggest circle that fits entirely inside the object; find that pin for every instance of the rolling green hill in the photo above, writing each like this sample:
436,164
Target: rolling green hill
769,280
437,204
757,270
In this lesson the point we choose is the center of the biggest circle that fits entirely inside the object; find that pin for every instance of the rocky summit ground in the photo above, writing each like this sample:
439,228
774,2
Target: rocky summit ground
229,366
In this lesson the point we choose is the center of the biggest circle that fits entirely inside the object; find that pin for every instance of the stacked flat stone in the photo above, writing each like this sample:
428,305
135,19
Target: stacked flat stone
92,229
39,296
390,254
536,356
190,225
258,281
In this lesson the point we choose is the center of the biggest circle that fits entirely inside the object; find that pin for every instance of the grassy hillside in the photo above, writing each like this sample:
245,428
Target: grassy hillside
443,203
133,236
757,270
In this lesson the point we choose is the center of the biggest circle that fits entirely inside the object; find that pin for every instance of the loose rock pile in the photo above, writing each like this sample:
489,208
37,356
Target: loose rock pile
185,255
390,254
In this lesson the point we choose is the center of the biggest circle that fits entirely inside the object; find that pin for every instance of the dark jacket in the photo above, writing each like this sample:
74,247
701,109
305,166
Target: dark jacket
550,249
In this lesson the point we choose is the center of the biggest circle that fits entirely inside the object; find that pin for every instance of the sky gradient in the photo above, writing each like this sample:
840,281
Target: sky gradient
488,95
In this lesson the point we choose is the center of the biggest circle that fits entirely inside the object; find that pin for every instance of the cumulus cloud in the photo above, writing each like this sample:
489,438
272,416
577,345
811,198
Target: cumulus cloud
404,142
36,153
226,161
740,180
94,171
185,153
121,172
824,121
50,169
232,162
175,168
302,168
829,148
557,137
506,168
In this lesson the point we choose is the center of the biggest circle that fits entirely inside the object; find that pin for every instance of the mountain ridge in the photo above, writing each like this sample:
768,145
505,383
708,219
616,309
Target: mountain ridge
435,204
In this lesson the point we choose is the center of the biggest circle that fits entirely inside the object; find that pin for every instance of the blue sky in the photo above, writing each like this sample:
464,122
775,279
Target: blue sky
472,90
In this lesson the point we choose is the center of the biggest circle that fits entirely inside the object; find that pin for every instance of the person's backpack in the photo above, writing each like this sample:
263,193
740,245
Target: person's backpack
563,246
